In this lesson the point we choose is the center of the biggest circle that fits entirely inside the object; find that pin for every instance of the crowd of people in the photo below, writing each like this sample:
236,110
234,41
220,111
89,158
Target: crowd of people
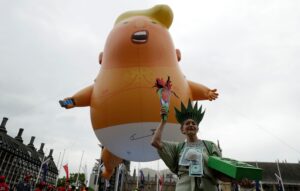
26,185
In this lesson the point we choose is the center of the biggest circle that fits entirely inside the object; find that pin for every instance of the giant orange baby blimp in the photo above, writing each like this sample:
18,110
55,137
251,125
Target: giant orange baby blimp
124,105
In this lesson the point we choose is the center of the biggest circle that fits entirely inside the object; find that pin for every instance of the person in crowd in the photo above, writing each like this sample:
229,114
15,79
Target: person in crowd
3,185
41,186
83,187
73,187
50,188
66,187
178,156
189,159
24,185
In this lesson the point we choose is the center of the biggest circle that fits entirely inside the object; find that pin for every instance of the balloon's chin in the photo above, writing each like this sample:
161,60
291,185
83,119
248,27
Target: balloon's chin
132,141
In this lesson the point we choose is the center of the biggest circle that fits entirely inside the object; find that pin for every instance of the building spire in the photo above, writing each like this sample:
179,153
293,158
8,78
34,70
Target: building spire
31,145
19,136
3,123
41,150
50,154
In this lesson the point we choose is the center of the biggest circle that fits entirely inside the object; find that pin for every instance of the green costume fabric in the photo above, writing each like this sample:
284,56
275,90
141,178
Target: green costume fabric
170,154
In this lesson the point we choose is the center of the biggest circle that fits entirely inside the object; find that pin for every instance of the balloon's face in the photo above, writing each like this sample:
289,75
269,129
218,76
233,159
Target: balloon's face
139,41
124,105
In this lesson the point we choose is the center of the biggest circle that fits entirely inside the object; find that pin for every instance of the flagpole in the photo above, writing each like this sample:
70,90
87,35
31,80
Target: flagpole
117,177
84,169
157,178
280,175
260,183
79,169
58,159
137,177
38,176
123,171
42,163
99,168
60,167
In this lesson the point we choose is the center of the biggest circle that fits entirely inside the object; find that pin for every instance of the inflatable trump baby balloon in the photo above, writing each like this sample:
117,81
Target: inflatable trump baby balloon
123,104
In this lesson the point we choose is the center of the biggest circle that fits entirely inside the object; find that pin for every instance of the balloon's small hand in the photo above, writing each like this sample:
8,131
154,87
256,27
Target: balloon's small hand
67,103
212,94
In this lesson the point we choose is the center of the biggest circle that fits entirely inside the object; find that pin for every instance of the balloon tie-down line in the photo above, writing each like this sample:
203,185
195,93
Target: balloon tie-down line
133,138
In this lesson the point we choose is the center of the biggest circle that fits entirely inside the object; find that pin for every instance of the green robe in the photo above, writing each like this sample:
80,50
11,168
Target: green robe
170,154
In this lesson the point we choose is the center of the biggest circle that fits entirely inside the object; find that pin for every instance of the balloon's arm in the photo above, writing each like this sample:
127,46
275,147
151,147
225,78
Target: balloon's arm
201,92
80,99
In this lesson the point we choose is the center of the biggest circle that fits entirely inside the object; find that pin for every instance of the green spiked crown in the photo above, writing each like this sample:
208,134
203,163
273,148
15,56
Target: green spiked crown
189,112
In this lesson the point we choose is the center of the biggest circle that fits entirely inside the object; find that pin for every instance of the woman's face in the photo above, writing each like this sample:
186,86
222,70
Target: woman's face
189,127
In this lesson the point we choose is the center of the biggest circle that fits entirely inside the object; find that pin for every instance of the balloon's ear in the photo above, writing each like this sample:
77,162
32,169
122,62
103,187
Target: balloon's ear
100,57
178,54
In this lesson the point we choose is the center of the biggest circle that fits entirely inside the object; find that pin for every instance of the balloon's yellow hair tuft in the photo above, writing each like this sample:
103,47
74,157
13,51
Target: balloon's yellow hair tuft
160,13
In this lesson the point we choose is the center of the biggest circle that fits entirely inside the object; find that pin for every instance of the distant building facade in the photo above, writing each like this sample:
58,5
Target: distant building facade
18,160
290,174
119,179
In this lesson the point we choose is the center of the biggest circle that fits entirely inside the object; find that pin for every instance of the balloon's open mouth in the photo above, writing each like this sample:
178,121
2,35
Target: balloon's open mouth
140,37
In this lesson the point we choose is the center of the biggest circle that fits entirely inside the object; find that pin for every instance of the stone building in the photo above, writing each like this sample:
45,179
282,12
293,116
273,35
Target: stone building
121,173
290,174
18,159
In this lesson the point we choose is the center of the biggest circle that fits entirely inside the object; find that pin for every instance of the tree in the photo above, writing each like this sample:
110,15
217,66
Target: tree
61,181
73,177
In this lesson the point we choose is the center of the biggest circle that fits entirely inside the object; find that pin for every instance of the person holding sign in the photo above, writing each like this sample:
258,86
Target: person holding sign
188,159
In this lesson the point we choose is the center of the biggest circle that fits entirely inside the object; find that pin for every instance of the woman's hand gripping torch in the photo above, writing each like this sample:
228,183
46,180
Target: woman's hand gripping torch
164,93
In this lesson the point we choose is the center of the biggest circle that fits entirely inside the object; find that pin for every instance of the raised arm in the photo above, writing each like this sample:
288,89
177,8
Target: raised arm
156,139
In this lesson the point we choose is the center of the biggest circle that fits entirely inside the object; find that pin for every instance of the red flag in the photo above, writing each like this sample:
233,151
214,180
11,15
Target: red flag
67,171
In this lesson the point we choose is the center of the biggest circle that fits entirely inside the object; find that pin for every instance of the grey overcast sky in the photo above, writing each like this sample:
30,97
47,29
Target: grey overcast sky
248,50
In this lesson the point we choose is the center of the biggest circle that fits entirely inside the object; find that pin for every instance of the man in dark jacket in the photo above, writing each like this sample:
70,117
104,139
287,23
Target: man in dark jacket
24,185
